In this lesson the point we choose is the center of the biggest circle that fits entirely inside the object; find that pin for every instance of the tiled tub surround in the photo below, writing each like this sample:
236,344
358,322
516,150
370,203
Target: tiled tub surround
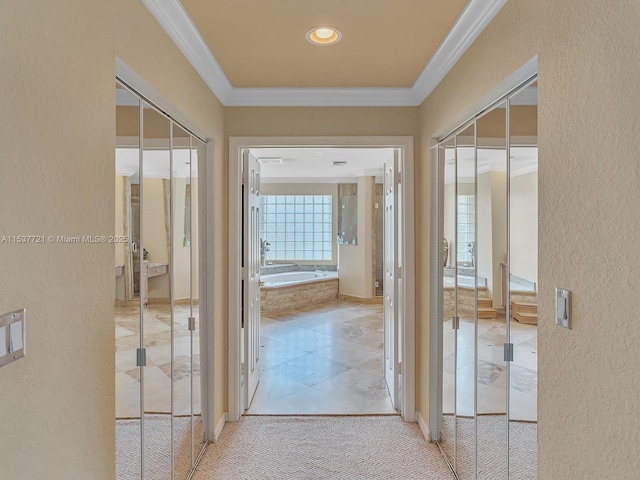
322,359
283,292
294,267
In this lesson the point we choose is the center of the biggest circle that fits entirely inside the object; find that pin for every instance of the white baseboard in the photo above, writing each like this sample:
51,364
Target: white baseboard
424,428
219,427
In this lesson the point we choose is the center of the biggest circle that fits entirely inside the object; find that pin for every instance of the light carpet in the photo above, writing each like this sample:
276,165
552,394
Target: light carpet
360,447
492,447
157,447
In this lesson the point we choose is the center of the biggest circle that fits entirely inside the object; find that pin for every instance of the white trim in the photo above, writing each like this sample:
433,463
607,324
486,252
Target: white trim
206,266
220,426
469,25
172,16
125,172
524,170
309,180
236,145
424,428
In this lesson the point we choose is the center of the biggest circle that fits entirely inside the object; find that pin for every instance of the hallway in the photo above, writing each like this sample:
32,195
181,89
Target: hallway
362,447
322,359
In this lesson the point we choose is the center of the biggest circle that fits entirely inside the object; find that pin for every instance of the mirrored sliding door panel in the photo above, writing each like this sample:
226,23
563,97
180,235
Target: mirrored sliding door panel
523,281
466,301
488,346
155,292
128,312
158,398
491,253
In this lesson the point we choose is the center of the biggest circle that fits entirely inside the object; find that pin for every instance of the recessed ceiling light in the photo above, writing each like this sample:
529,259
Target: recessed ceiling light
324,35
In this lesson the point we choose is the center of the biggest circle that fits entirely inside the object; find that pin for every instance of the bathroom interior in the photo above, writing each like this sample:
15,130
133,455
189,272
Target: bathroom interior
157,331
321,232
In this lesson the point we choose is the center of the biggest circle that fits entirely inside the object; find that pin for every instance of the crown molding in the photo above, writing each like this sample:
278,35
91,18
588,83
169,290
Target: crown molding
472,21
524,170
172,16
176,22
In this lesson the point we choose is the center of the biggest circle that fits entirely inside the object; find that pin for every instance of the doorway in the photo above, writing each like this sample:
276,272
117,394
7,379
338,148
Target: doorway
401,355
322,347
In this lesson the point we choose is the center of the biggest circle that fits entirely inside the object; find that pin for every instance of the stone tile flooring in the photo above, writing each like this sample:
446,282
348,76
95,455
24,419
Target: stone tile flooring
492,370
157,373
324,359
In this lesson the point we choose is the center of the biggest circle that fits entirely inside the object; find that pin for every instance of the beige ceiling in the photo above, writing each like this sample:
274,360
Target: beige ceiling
385,43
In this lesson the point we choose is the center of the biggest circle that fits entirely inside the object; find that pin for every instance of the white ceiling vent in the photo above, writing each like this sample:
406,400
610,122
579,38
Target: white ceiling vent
270,160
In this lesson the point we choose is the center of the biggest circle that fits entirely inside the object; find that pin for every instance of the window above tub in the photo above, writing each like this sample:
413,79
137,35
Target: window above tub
297,227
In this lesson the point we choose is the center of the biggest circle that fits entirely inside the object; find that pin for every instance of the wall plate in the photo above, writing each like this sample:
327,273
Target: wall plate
12,336
563,308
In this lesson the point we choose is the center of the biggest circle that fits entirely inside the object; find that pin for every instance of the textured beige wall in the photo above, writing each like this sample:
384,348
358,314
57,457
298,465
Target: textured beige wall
320,121
181,264
57,173
524,226
356,261
589,96
57,130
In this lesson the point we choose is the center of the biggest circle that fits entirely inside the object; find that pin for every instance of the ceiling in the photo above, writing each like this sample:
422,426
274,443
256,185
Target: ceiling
254,52
386,43
315,165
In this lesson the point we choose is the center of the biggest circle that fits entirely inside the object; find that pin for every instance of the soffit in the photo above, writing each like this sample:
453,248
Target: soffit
386,43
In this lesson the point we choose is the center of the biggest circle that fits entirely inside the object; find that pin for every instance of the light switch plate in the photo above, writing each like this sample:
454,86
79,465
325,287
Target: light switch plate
12,337
563,308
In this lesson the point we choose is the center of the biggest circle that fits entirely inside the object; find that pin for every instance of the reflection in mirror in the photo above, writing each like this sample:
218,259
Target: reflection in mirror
197,156
523,278
491,253
466,301
449,363
155,292
181,281
127,308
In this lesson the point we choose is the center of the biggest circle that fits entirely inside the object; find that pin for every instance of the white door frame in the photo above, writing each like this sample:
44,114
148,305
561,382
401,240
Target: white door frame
407,313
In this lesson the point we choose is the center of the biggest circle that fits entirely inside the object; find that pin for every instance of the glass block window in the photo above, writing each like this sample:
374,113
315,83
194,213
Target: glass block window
297,227
466,228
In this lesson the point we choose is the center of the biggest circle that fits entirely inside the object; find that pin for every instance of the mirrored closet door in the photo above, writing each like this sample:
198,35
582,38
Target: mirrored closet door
486,313
157,322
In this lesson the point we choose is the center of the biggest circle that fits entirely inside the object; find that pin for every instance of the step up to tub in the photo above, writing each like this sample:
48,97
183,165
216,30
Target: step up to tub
485,308
525,312
487,312
485,303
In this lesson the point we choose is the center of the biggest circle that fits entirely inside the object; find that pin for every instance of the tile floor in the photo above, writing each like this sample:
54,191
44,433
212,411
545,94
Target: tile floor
157,373
492,372
325,359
